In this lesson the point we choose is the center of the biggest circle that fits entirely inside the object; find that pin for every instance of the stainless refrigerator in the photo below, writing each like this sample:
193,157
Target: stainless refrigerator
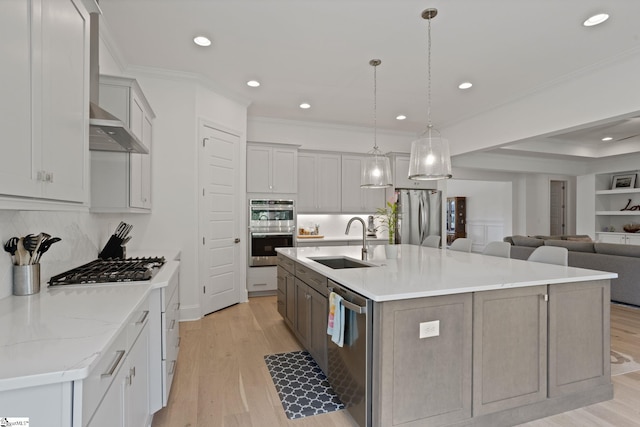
419,215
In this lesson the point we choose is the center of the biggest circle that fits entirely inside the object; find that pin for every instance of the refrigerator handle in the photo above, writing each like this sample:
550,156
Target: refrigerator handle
420,220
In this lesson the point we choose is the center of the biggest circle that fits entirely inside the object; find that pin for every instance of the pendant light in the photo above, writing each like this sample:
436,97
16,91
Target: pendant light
430,157
376,171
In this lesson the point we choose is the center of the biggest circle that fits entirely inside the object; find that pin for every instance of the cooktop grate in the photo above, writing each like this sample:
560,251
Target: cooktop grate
110,270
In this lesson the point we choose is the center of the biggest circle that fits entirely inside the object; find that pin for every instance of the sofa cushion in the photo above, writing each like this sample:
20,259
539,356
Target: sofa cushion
548,237
579,239
527,241
617,249
571,246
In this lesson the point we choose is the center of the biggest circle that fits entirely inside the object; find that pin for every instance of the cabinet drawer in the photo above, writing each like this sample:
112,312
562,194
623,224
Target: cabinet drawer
170,324
97,383
286,263
171,290
315,280
137,322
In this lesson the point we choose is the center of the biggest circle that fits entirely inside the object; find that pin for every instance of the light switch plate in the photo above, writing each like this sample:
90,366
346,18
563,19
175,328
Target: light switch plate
429,329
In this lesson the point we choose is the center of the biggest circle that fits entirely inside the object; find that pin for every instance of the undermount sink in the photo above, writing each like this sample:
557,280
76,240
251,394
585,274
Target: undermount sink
341,262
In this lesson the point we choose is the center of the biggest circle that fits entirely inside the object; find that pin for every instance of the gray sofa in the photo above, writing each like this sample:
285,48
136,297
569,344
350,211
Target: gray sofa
621,259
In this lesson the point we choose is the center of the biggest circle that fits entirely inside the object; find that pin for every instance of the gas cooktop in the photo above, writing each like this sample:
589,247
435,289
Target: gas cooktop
110,270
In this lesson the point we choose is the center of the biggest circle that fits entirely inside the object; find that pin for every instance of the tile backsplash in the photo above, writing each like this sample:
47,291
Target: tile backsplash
80,233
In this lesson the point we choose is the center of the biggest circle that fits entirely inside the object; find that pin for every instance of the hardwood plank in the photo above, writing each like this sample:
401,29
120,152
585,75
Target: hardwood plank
221,378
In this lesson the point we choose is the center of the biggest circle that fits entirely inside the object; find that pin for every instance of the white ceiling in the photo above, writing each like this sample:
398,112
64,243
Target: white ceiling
318,51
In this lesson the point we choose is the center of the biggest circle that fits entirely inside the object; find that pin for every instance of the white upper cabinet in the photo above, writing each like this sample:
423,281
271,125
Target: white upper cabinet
121,182
400,171
44,109
354,198
271,168
319,182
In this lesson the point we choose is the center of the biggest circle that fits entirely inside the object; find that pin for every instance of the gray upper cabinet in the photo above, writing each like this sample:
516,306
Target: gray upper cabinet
121,182
319,182
45,102
354,198
271,168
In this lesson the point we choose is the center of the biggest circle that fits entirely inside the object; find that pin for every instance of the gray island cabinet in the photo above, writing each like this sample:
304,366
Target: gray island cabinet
464,339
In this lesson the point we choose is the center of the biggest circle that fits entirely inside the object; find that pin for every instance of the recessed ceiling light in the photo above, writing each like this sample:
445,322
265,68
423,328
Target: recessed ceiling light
465,85
401,117
202,41
607,138
596,19
305,106
253,83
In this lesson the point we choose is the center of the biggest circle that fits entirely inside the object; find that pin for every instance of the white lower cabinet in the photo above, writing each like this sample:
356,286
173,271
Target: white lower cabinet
125,376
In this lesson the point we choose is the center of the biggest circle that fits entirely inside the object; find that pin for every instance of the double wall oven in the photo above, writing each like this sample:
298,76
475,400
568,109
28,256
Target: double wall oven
271,226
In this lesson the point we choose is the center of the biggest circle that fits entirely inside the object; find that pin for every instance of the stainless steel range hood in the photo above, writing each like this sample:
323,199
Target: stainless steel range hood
106,132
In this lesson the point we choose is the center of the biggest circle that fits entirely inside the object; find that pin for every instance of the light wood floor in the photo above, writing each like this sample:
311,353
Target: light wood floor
222,380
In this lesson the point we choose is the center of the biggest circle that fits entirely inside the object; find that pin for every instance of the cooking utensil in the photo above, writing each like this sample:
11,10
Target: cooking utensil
29,241
39,239
11,246
44,247
22,255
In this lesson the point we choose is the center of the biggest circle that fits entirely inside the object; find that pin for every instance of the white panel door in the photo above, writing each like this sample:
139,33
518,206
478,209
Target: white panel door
220,259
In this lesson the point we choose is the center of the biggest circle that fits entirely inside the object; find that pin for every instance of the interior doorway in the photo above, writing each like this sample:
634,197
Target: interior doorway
220,263
557,207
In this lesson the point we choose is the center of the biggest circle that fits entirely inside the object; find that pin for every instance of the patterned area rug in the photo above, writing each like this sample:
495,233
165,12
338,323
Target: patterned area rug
302,386
622,364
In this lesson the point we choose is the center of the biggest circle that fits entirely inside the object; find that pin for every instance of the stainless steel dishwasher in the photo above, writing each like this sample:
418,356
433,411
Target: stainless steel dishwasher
349,366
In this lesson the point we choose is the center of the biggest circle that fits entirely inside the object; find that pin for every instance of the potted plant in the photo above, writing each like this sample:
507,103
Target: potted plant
388,217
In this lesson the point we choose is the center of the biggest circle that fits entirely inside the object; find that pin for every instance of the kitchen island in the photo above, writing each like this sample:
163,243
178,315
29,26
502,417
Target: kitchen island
460,338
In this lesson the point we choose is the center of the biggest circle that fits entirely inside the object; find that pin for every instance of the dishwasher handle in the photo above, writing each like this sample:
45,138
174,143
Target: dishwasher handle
349,305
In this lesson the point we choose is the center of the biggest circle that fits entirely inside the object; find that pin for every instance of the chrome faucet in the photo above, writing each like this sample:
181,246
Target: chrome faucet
364,235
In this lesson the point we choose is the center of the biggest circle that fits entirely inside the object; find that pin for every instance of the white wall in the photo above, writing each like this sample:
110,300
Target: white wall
489,209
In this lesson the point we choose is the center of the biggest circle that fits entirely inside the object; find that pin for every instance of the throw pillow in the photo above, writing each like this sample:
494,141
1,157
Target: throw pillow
527,241
579,239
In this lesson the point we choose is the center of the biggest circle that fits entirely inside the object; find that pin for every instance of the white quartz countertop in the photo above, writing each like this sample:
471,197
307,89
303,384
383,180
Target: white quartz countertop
58,334
424,272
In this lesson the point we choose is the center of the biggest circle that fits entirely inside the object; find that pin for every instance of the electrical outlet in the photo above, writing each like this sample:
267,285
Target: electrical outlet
429,329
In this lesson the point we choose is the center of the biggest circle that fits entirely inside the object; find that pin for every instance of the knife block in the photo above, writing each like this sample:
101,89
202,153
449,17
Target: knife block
113,249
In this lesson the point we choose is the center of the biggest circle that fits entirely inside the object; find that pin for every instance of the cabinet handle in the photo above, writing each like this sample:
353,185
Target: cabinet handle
132,372
173,367
114,364
178,343
173,324
143,318
177,306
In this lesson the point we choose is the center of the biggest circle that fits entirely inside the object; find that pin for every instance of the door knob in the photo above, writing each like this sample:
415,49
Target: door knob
237,240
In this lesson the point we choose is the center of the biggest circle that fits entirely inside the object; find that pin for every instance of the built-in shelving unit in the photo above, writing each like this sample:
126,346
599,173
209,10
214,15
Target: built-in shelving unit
614,209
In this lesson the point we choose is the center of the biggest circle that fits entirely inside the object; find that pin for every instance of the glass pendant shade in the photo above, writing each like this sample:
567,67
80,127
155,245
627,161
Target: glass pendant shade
430,158
376,171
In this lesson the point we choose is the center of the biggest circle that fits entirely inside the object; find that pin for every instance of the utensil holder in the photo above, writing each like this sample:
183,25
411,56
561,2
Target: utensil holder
26,279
